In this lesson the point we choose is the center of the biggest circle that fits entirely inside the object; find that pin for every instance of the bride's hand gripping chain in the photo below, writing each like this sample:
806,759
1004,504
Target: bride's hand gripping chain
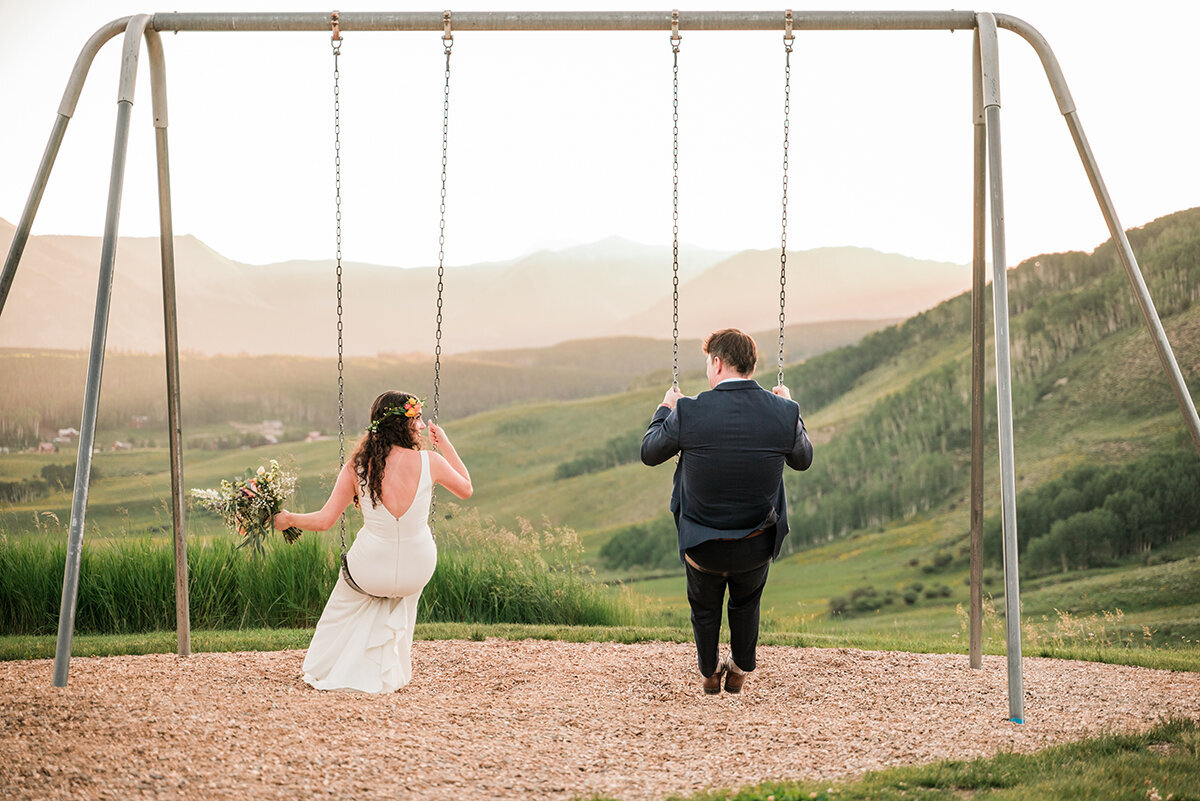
454,475
438,438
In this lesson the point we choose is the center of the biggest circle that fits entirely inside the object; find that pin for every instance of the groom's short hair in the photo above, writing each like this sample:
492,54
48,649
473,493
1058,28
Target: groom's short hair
733,347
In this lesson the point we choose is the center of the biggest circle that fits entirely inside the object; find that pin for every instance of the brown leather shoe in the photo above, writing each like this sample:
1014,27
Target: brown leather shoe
734,681
712,684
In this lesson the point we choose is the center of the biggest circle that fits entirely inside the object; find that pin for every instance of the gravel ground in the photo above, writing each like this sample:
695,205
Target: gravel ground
537,719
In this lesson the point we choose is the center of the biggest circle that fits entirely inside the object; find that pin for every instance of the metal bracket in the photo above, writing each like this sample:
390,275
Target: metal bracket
447,35
675,37
336,24
788,36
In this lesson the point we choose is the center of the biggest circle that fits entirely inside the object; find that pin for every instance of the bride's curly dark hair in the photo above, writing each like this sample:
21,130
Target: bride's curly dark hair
391,429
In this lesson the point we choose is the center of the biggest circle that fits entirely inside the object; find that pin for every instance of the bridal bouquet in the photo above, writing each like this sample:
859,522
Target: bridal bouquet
248,504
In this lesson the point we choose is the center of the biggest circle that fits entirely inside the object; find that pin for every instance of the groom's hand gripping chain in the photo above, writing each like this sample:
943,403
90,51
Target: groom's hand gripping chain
673,395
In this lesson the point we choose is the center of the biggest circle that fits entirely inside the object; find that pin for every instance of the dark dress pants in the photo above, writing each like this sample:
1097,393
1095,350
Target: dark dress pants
741,567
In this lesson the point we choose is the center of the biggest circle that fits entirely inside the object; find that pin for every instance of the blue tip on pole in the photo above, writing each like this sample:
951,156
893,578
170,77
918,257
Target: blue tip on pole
1018,720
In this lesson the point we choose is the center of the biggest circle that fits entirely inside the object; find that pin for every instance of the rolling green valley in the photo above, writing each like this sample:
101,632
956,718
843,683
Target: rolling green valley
1108,480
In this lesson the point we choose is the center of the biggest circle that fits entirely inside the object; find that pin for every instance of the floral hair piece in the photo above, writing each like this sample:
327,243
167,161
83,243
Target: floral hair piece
411,408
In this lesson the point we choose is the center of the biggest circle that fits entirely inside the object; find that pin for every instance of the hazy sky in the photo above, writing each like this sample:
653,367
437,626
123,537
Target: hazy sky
564,138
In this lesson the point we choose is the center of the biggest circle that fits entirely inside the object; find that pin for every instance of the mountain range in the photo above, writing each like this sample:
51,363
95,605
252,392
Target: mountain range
611,288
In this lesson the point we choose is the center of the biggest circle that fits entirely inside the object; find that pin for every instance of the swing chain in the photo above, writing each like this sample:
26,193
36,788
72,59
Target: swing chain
788,38
337,183
448,39
675,40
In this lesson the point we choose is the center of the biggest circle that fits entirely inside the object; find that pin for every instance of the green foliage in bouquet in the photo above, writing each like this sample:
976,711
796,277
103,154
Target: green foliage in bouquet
249,504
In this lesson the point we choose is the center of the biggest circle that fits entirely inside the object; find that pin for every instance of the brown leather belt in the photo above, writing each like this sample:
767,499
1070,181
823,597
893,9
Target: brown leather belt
749,536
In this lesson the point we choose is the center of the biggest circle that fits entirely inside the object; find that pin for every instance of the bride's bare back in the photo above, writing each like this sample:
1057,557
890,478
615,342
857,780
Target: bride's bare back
401,474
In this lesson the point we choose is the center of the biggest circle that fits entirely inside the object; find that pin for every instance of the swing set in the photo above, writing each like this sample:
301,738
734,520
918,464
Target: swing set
988,184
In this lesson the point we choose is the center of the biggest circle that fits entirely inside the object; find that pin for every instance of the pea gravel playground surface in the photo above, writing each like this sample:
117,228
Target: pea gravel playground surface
537,719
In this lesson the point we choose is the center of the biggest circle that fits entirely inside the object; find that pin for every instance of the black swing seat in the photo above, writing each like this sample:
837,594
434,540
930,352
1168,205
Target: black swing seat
354,584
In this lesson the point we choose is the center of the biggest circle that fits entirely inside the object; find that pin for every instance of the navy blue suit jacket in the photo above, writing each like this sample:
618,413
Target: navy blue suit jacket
734,441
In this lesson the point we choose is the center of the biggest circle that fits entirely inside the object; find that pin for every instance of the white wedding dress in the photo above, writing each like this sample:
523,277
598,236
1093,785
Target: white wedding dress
363,643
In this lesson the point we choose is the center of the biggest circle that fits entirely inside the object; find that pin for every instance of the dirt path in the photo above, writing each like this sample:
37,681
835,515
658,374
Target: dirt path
536,719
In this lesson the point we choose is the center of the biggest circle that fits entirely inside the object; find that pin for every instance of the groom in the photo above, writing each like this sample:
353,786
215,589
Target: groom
728,499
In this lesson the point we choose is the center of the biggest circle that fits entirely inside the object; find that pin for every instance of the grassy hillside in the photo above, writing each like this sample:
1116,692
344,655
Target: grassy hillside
880,521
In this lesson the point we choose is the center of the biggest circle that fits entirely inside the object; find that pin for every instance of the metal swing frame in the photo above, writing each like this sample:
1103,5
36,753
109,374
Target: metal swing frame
988,192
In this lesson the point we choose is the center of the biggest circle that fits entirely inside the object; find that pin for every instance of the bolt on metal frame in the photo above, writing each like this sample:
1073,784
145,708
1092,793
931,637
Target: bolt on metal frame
987,164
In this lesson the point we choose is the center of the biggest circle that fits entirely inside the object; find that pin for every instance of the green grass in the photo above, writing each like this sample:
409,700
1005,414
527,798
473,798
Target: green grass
1161,763
43,646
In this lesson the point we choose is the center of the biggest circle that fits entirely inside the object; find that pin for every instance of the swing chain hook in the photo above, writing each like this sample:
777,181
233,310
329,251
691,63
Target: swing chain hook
676,38
447,35
335,24
788,36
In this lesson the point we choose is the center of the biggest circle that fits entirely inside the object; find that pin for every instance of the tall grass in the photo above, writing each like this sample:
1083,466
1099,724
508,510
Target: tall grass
485,574
489,574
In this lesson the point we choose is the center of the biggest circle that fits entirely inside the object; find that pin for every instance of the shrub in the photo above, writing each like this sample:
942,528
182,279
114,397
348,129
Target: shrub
865,599
653,545
23,491
62,476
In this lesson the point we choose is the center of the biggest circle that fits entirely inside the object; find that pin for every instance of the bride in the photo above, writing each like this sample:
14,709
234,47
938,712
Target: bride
362,642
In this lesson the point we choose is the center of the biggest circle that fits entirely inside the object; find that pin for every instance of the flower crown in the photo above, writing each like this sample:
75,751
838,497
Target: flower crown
411,408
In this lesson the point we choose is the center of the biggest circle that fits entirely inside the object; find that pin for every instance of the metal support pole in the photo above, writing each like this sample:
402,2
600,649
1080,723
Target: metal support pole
21,234
978,267
65,110
91,398
166,237
1066,105
990,67
1134,273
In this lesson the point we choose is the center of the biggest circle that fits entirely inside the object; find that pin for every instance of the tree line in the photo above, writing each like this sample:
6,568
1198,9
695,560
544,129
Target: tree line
904,456
624,449
1094,515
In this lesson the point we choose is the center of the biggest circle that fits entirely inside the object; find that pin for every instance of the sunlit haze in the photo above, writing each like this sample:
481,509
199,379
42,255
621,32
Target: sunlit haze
565,138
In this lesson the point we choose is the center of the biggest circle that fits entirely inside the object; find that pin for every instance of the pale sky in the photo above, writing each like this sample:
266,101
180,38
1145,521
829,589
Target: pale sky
565,138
